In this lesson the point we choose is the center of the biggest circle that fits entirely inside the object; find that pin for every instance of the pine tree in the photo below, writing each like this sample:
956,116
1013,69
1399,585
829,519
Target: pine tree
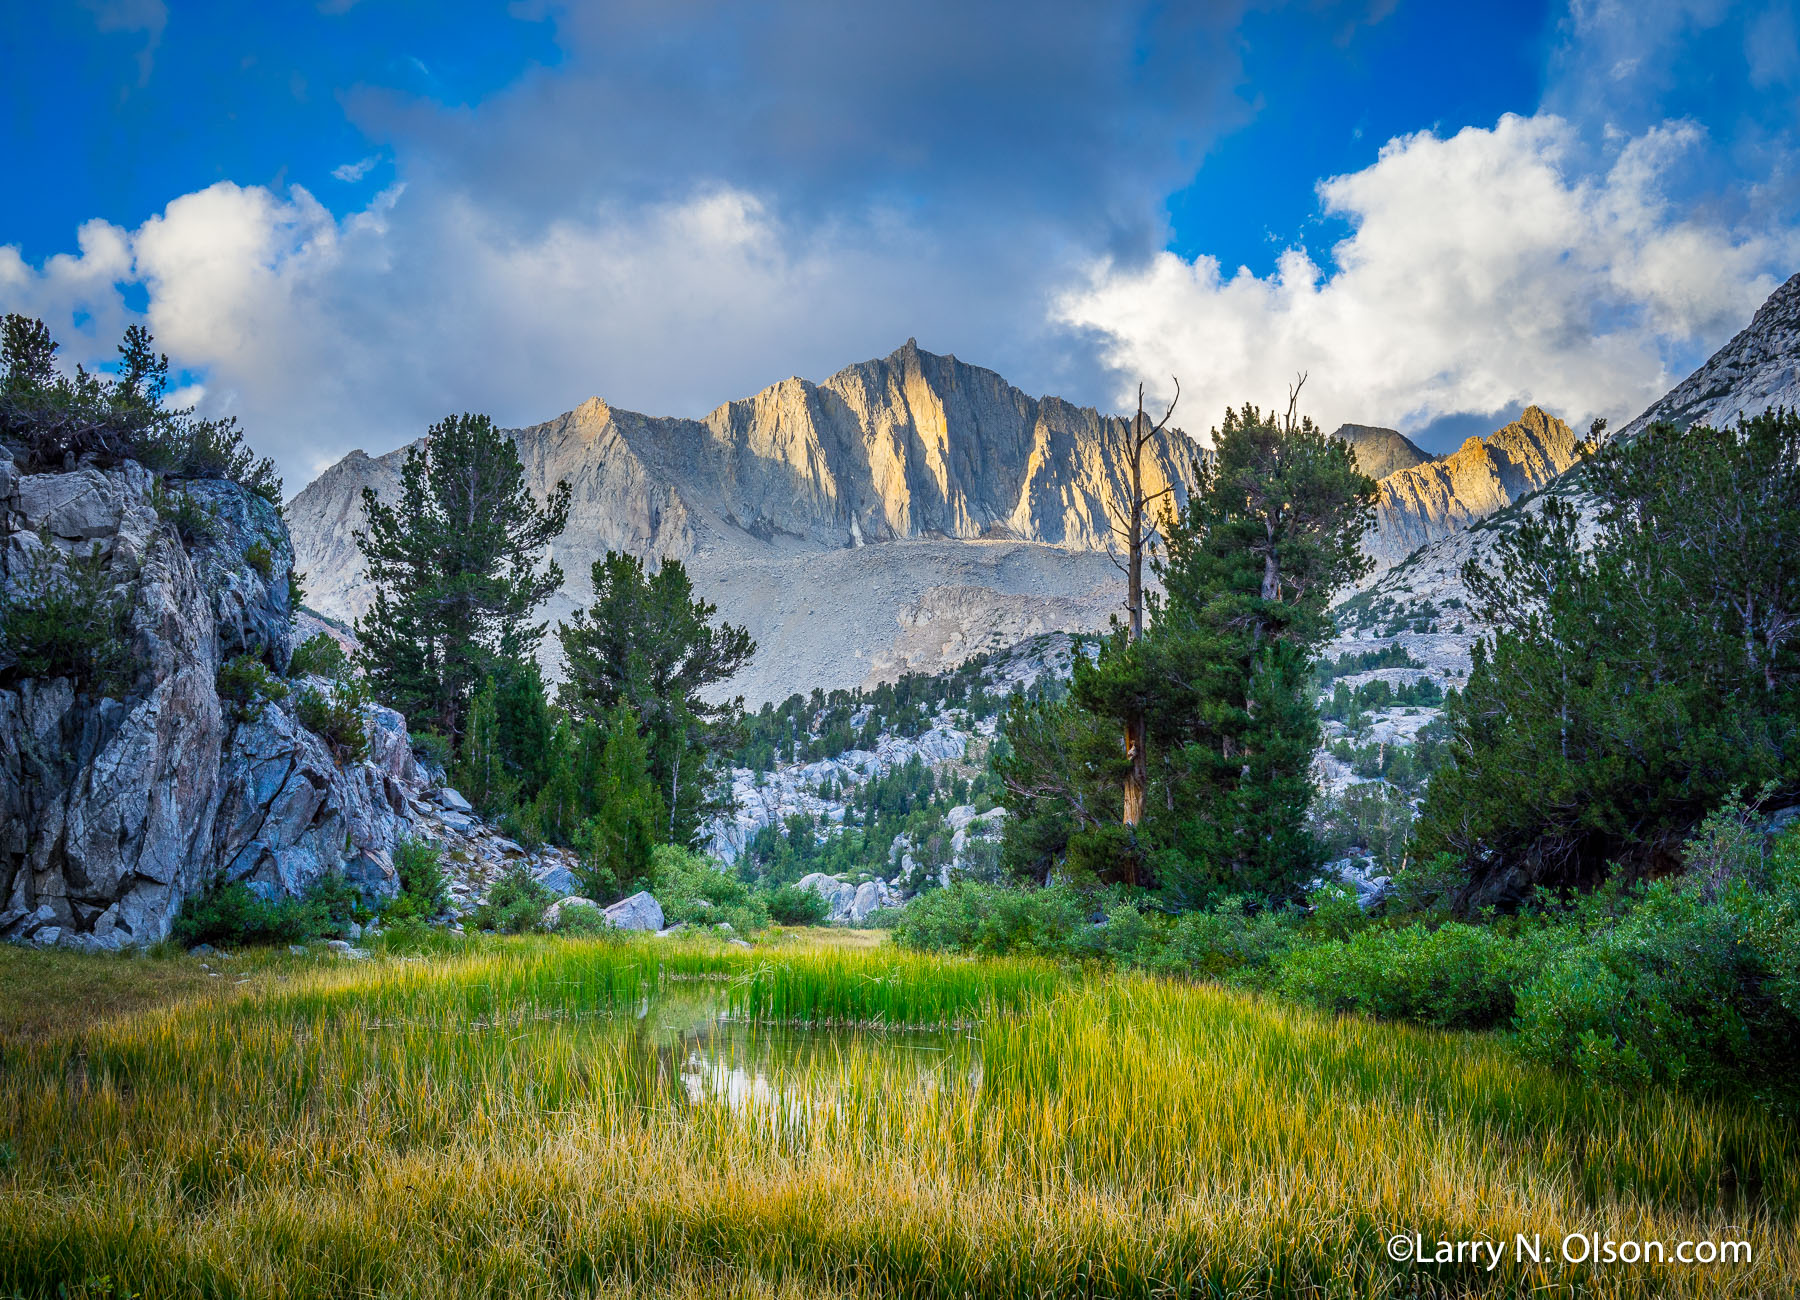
648,643
616,842
1222,679
480,771
1273,531
455,566
1630,686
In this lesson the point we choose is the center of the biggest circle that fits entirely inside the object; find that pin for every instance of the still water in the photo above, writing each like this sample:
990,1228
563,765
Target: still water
687,1031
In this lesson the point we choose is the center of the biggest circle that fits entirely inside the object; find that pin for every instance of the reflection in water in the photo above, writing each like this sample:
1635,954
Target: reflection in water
684,1038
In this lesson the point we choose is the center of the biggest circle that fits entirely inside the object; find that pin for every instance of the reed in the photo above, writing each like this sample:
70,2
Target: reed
503,1122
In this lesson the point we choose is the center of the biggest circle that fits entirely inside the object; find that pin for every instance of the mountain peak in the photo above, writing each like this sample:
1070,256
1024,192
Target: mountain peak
1756,371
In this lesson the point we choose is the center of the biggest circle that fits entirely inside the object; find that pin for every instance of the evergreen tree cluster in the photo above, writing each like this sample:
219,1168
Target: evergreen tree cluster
624,759
1224,678
1632,684
807,728
53,421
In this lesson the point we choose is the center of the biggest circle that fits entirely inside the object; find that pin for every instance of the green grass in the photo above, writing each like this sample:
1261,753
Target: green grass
497,1121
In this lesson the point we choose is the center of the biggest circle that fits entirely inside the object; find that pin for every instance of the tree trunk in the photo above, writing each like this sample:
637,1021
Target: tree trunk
1137,774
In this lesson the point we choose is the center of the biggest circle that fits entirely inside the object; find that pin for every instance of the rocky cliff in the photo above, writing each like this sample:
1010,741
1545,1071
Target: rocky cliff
1434,499
1380,452
902,514
119,799
1758,370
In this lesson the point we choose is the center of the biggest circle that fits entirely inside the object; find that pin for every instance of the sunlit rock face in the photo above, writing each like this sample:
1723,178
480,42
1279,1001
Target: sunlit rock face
901,515
1428,501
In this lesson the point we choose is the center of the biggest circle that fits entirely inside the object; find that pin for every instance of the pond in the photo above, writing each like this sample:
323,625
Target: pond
712,1056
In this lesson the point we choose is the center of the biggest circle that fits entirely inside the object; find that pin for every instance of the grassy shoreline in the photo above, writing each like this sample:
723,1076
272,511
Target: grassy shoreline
481,1123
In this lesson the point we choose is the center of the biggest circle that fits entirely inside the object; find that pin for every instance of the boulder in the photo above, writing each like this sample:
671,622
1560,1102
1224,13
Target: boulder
1362,876
553,914
639,912
838,895
869,896
454,801
558,879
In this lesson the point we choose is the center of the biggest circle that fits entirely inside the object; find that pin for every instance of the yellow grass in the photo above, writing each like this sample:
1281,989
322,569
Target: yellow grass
500,1122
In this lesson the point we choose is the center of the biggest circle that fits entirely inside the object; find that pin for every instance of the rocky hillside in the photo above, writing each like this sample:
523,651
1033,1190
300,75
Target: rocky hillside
1755,372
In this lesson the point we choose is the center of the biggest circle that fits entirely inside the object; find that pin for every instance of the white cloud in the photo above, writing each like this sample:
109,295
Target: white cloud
355,171
1482,271
323,334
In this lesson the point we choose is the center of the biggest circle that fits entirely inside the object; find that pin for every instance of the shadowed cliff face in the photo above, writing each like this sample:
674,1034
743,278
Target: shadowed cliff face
1380,452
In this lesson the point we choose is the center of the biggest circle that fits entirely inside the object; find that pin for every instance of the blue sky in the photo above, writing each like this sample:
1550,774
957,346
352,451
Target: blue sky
344,219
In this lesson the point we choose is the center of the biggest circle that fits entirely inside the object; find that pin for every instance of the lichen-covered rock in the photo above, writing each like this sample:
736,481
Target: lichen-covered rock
115,807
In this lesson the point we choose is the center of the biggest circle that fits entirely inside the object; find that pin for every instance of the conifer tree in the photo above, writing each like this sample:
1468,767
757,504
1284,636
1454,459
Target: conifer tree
616,842
649,643
455,562
1630,685
1222,679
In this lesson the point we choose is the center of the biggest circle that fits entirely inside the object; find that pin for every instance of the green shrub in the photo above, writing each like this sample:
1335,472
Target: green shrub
69,621
320,655
1335,913
692,890
1455,977
791,905
429,746
1228,940
246,685
336,715
1695,985
515,903
234,915
259,557
994,919
192,521
424,892
581,921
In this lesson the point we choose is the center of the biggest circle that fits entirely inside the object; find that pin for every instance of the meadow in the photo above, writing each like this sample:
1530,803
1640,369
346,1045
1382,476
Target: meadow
513,1119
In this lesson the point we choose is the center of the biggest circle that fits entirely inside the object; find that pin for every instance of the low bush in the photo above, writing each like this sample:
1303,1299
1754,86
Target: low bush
192,521
234,915
320,655
996,920
581,921
791,905
424,892
1454,977
1695,985
246,685
337,715
68,619
694,891
259,557
431,747
515,903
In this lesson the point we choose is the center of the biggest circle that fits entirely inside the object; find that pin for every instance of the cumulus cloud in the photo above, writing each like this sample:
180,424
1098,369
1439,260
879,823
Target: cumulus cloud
324,333
1482,271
